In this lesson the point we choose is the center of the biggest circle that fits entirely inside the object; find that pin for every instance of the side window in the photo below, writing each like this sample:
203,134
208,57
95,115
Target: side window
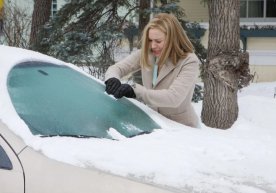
265,10
5,162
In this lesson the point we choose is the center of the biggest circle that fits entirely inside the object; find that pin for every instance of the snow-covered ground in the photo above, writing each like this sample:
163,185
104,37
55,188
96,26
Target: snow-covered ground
238,160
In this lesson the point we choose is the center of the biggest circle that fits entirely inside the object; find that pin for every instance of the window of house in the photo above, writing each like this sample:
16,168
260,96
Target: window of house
258,9
271,8
54,7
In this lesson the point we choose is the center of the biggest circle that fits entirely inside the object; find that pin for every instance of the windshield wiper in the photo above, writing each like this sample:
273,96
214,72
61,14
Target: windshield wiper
68,135
90,136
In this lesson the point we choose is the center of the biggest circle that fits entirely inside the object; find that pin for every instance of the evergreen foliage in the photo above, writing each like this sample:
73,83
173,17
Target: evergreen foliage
85,32
195,32
198,93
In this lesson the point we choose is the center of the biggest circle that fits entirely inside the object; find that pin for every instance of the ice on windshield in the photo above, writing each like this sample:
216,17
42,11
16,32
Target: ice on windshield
57,100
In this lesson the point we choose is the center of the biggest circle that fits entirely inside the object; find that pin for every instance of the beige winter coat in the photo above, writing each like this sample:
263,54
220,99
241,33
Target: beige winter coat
172,94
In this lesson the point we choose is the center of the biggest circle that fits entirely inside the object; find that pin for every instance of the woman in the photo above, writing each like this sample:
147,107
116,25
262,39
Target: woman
169,71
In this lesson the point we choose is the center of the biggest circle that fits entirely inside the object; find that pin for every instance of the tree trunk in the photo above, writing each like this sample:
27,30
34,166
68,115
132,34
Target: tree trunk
143,20
225,65
1,16
143,16
41,14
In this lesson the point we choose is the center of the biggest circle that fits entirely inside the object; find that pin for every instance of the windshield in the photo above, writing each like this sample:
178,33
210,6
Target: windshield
57,100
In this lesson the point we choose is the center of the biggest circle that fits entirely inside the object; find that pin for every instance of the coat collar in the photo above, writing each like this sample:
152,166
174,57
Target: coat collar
165,70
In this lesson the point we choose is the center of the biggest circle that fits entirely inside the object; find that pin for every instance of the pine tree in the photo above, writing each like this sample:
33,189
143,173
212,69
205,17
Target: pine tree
85,32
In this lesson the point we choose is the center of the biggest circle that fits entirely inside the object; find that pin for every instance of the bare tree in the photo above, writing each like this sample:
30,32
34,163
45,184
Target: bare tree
41,14
226,69
16,26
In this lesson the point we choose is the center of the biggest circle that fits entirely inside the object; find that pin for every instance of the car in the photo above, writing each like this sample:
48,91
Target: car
47,98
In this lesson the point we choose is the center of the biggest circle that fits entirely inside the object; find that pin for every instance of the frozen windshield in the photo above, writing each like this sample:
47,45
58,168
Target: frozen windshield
57,100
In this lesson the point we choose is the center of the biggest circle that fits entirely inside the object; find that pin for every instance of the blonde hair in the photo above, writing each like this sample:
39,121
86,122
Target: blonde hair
177,44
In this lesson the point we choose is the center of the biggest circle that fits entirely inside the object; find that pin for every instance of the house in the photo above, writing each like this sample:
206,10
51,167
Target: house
28,4
258,32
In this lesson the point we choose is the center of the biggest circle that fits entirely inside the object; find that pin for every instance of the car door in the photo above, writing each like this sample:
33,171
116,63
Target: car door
11,173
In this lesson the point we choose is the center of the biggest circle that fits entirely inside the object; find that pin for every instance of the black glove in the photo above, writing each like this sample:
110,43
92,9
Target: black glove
112,84
124,90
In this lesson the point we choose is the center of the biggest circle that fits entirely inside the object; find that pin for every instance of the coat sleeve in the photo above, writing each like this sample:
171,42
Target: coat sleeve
178,91
122,68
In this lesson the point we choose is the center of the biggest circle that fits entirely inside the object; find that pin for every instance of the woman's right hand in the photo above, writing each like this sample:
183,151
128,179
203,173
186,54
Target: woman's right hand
112,84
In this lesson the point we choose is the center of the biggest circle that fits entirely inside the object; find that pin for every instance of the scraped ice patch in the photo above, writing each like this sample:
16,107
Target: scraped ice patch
131,128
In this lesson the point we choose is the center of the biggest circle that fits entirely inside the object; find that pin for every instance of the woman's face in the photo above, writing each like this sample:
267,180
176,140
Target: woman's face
156,41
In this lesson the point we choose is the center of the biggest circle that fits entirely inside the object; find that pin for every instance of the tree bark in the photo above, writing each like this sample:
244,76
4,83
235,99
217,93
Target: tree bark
1,16
143,20
225,66
143,17
41,14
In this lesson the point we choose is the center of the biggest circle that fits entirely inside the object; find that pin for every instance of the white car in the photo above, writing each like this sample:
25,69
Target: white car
53,98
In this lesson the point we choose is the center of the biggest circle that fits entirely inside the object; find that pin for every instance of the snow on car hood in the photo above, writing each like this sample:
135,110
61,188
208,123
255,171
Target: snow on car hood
240,159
